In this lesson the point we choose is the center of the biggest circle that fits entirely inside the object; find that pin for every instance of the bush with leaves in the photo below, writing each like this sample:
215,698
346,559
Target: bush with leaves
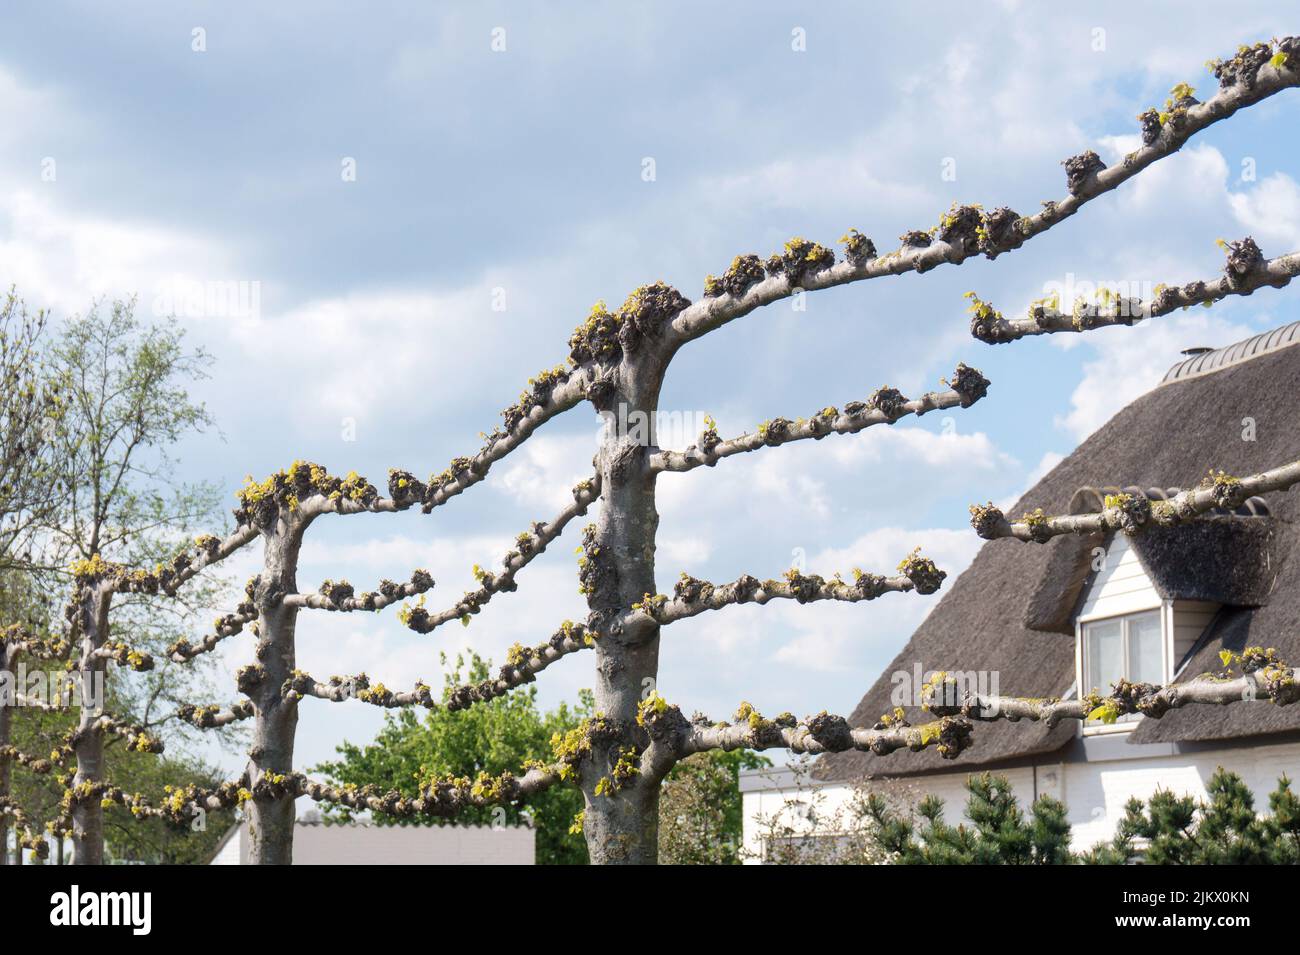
999,832
493,737
700,809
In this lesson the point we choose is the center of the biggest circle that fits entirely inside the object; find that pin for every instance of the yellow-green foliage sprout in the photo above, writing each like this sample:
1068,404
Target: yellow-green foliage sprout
650,707
1107,712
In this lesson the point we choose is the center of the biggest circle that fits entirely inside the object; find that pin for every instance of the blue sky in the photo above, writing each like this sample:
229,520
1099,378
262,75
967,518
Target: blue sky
521,170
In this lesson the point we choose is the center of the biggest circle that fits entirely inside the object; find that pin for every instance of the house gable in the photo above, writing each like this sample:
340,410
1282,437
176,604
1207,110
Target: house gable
1004,614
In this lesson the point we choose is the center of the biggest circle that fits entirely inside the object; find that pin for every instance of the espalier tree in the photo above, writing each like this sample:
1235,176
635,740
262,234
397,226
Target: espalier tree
617,363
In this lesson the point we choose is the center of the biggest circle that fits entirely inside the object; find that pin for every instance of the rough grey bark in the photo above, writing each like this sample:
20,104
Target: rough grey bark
1132,513
271,816
622,826
1246,272
88,743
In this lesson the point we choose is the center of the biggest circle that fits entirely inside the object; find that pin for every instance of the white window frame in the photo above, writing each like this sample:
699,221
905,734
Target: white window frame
1163,612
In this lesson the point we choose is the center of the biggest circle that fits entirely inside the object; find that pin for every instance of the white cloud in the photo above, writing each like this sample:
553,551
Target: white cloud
908,446
62,260
542,473
1131,361
1271,213
831,640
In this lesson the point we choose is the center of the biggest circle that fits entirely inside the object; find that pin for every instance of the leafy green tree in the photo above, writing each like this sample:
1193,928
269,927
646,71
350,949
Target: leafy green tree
31,408
127,838
125,384
123,387
701,816
494,737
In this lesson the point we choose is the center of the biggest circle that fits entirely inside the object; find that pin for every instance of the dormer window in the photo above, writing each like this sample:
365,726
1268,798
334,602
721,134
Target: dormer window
1132,626
1131,647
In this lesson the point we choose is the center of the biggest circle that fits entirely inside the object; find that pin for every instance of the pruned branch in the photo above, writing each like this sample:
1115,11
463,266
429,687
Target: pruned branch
183,567
40,765
139,660
521,667
885,406
339,689
18,639
138,738
1262,676
340,596
213,716
693,596
549,394
28,837
674,737
438,797
441,797
964,231
182,651
528,546
1246,271
1132,513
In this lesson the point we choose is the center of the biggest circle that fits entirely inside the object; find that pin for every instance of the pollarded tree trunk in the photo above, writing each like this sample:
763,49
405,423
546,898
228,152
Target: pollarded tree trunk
8,657
271,813
88,743
621,823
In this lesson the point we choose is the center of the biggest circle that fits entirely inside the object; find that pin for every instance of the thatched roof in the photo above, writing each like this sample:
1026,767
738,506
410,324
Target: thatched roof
1012,611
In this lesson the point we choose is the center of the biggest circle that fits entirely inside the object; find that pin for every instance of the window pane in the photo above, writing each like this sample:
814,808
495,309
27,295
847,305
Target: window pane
1104,650
1145,649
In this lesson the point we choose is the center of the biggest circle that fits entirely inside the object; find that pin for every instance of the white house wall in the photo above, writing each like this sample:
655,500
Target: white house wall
361,844
1121,586
1094,792
1191,617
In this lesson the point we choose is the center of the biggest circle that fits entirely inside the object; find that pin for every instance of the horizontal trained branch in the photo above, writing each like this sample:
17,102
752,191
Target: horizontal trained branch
1132,513
885,406
139,660
439,796
213,716
340,596
1253,74
138,739
28,837
18,639
693,596
1246,271
165,578
40,765
674,737
521,667
1262,676
227,626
